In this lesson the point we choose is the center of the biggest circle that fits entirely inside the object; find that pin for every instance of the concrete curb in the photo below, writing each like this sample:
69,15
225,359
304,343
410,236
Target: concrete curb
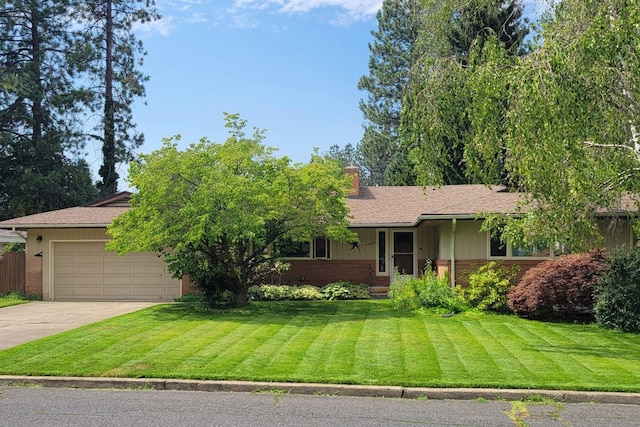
321,389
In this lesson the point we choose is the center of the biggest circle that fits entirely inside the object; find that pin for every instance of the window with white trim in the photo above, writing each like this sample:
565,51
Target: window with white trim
322,248
500,249
319,248
381,267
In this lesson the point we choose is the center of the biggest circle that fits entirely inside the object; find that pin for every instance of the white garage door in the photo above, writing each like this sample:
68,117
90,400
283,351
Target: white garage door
87,271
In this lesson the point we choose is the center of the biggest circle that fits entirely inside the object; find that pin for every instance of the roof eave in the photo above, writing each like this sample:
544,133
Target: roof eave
418,220
382,225
40,226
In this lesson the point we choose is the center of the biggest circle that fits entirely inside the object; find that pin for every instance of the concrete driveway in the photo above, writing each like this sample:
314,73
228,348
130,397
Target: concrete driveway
27,322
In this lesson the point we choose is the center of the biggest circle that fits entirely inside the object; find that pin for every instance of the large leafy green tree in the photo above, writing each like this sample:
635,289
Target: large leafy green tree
117,56
40,134
570,127
393,54
216,210
435,123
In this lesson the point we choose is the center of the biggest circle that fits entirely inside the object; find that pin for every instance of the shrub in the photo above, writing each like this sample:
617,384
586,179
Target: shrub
306,292
21,296
190,298
618,291
429,291
270,292
561,287
345,291
489,287
284,293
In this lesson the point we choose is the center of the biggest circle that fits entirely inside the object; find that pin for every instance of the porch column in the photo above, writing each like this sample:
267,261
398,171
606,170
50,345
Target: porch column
452,270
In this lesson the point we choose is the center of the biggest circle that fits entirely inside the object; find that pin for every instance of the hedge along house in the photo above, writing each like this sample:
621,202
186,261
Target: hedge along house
401,229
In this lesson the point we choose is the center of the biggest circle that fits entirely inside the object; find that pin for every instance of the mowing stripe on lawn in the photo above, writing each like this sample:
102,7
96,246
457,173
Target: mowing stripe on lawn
341,342
378,352
451,365
187,338
280,357
504,364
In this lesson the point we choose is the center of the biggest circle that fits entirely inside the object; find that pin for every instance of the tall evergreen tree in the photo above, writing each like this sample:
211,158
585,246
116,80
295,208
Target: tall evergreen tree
115,66
393,53
435,124
345,156
39,98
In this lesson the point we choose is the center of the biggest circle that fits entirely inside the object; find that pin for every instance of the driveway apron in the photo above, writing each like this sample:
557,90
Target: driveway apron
27,322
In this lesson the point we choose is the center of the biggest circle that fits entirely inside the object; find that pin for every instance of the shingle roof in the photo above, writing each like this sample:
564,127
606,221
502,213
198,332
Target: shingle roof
375,206
8,236
82,216
407,205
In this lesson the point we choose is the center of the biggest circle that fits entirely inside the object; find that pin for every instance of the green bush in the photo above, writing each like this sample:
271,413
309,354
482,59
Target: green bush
270,292
21,296
306,292
429,291
345,291
332,291
617,293
284,293
489,287
190,298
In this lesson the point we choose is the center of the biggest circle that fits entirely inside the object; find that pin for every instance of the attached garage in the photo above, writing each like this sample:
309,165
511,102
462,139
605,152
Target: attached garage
66,258
86,271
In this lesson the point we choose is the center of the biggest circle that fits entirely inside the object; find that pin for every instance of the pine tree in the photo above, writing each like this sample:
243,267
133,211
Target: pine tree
40,135
117,57
393,54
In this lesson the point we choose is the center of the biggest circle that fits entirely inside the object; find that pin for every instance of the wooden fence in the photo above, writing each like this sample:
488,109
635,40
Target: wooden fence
12,272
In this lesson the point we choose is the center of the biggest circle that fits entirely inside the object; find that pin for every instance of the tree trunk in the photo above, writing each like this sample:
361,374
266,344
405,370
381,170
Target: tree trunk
36,75
108,172
242,296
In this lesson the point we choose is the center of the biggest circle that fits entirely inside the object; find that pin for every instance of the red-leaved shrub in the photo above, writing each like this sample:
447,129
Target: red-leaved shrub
561,287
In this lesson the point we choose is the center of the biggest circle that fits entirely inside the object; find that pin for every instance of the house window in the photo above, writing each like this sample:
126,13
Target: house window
290,249
530,251
322,248
500,249
382,252
317,248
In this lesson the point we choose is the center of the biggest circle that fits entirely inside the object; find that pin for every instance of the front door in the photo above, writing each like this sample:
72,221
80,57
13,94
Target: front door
403,252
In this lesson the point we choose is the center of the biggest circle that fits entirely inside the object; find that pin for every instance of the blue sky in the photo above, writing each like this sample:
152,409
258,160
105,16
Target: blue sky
288,66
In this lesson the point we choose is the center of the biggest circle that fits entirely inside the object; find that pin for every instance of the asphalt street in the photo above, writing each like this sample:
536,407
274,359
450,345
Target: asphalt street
52,407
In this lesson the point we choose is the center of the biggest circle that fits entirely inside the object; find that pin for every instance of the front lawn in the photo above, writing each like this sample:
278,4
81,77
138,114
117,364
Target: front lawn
11,299
360,342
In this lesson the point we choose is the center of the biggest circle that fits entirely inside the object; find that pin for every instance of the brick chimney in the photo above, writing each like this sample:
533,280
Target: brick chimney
354,172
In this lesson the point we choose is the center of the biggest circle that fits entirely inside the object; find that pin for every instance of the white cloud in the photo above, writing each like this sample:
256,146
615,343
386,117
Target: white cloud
196,17
348,10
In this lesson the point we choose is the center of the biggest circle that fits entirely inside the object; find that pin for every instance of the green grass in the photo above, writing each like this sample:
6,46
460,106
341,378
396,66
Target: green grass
357,342
11,299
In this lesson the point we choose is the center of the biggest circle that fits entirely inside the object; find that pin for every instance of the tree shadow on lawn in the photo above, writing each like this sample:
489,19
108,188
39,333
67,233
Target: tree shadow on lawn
284,312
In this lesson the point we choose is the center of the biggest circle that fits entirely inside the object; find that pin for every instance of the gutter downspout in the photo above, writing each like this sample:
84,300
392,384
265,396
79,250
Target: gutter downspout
452,271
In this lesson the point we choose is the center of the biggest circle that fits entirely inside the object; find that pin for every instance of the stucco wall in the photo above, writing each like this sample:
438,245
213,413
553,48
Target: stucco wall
470,242
37,274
